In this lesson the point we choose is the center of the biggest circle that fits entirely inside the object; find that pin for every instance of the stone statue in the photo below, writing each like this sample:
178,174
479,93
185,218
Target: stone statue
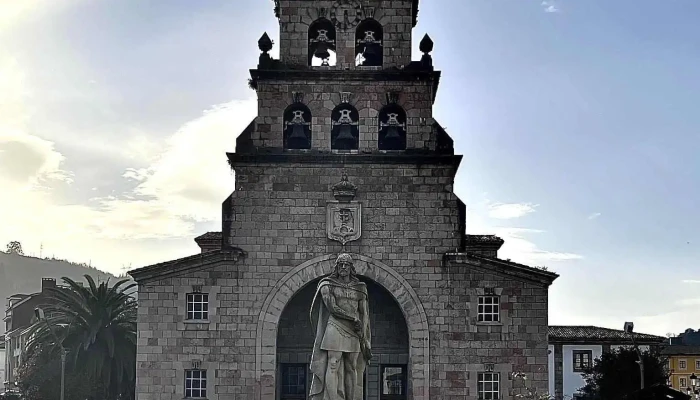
342,342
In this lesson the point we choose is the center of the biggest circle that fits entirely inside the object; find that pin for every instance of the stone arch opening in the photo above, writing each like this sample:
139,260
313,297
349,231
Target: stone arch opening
322,44
303,276
369,44
390,345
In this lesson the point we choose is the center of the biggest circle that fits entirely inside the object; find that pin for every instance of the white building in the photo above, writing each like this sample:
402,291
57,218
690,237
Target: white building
574,348
2,361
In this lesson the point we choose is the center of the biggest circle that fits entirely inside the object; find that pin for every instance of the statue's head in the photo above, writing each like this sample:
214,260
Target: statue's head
344,266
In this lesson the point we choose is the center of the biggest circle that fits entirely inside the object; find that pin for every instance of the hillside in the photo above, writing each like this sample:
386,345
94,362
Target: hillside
22,274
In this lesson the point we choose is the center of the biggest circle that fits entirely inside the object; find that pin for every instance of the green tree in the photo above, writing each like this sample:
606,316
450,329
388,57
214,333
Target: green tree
15,247
616,374
40,377
96,324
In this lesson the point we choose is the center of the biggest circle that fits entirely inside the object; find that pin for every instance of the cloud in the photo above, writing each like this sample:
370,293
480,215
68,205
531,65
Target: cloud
550,6
510,210
181,188
519,248
594,216
518,245
27,161
689,302
691,281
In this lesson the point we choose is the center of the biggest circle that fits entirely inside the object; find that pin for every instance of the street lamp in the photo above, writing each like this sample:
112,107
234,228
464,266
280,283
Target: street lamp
629,328
39,313
693,382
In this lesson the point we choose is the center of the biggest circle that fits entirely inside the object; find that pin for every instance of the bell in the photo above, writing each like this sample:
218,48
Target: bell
345,140
392,133
321,51
372,54
392,139
297,137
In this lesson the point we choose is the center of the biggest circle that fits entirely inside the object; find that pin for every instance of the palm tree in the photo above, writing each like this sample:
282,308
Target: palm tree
96,325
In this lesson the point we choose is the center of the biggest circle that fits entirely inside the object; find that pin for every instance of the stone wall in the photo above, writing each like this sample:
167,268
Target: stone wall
411,219
323,96
296,16
409,212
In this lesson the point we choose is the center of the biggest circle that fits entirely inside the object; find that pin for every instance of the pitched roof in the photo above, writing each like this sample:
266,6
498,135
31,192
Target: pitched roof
185,264
677,350
505,266
568,333
209,236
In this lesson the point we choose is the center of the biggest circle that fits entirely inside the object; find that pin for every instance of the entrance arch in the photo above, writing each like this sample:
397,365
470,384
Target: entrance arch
310,271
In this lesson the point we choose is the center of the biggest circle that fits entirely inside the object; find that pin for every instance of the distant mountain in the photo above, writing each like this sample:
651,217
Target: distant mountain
22,274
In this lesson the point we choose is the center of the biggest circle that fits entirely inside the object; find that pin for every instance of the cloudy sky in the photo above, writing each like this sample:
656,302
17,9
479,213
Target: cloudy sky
577,120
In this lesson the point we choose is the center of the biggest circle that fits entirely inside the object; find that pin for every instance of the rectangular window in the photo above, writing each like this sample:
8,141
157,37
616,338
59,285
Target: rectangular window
195,384
294,381
697,365
489,309
393,381
488,385
197,306
683,383
582,360
682,364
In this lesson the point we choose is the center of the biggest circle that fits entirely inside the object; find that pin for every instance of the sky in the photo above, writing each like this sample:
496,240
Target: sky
577,121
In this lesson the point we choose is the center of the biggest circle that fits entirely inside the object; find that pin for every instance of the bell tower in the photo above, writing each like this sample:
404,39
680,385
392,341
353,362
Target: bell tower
345,82
344,157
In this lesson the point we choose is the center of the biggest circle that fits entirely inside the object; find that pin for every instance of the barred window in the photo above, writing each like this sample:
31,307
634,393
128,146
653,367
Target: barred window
488,385
582,360
195,384
393,382
197,306
294,381
489,308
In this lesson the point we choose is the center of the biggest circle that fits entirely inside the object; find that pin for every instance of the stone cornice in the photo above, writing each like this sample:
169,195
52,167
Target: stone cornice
318,74
195,262
337,158
414,11
515,270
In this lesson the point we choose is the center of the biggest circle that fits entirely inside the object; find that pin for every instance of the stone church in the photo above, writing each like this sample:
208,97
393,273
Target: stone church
344,157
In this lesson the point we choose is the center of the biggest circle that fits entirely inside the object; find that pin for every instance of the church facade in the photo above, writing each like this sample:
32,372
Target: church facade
346,158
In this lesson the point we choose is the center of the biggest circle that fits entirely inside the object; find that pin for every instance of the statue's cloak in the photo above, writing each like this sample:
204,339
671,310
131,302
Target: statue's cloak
319,358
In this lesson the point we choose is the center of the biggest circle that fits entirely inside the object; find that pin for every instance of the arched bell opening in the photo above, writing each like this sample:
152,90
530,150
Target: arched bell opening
322,43
392,128
369,44
345,133
386,377
297,127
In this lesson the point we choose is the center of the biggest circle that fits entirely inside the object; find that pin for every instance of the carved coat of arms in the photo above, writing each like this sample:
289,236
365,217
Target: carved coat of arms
344,221
344,216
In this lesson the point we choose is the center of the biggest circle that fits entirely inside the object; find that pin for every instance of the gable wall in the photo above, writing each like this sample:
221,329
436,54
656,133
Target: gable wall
410,219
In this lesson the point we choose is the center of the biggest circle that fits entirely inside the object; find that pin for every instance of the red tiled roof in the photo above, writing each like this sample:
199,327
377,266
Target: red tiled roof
563,333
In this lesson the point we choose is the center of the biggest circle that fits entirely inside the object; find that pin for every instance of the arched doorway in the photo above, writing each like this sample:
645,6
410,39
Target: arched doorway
306,274
386,377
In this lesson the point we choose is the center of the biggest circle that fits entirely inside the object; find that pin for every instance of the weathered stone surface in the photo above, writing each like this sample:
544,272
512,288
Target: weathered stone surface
411,248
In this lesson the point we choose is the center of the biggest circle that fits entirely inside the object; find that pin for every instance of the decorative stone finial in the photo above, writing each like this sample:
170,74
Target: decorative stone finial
344,191
426,46
265,43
